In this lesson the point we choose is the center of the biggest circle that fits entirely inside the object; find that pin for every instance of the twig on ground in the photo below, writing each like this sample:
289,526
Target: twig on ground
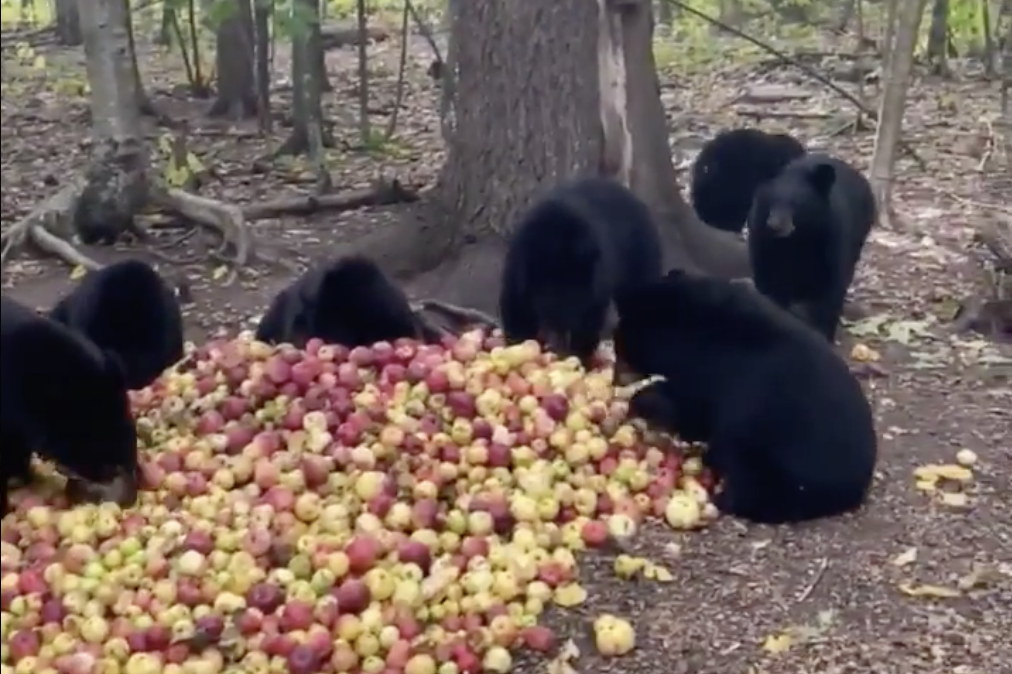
819,573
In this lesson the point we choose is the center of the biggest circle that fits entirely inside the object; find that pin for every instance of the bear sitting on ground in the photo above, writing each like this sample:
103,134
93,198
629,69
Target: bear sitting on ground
578,246
729,169
806,232
127,308
63,398
349,301
787,425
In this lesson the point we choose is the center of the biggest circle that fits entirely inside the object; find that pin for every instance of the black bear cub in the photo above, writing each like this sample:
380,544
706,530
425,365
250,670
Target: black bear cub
348,301
729,169
787,425
806,232
64,398
127,308
578,246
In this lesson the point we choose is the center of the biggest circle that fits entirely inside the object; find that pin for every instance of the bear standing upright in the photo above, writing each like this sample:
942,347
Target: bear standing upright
806,232
572,251
349,301
787,425
731,167
64,398
127,308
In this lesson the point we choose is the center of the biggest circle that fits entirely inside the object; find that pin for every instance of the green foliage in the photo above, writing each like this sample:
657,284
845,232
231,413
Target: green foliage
13,14
966,22
177,172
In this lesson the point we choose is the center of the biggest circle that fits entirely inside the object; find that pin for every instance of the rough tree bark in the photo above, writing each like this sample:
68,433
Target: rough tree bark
543,91
116,182
894,96
938,37
234,56
308,131
262,11
68,23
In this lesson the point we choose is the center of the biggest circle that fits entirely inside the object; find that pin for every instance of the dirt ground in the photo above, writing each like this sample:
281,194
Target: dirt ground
908,585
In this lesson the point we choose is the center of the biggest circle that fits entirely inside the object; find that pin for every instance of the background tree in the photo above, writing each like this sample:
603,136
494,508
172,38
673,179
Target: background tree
234,55
893,102
579,74
68,23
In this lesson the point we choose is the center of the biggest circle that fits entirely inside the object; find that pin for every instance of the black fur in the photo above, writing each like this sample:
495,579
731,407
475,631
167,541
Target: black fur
577,247
63,398
349,301
729,169
806,233
788,426
127,308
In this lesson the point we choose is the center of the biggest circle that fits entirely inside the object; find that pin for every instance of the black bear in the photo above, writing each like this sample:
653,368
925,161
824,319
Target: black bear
787,425
729,169
806,232
127,308
349,301
572,252
64,398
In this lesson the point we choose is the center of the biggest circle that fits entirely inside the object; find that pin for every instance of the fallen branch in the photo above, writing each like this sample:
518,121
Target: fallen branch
384,193
336,37
781,114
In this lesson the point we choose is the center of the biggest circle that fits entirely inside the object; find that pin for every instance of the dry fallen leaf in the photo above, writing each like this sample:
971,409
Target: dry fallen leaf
954,499
561,663
778,643
929,591
78,272
905,558
945,471
863,353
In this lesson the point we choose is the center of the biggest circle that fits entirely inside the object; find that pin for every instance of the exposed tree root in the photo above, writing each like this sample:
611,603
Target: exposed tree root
38,228
381,194
437,319
218,215
463,316
990,312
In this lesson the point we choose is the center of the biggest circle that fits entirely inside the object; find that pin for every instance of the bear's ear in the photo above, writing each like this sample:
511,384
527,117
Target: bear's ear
822,177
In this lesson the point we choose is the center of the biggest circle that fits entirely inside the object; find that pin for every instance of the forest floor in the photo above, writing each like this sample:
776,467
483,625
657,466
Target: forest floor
909,585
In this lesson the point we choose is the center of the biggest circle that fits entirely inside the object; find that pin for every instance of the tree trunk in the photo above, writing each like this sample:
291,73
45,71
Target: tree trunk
164,36
894,95
665,14
845,16
321,64
116,185
262,11
68,23
551,91
237,98
308,132
938,37
141,100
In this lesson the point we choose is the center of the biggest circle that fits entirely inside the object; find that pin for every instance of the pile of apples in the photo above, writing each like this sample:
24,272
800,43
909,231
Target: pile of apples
399,509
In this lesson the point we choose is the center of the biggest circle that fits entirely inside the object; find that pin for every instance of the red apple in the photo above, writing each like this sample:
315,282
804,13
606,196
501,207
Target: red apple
24,644
595,533
296,615
353,596
538,638
415,552
265,597
362,551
